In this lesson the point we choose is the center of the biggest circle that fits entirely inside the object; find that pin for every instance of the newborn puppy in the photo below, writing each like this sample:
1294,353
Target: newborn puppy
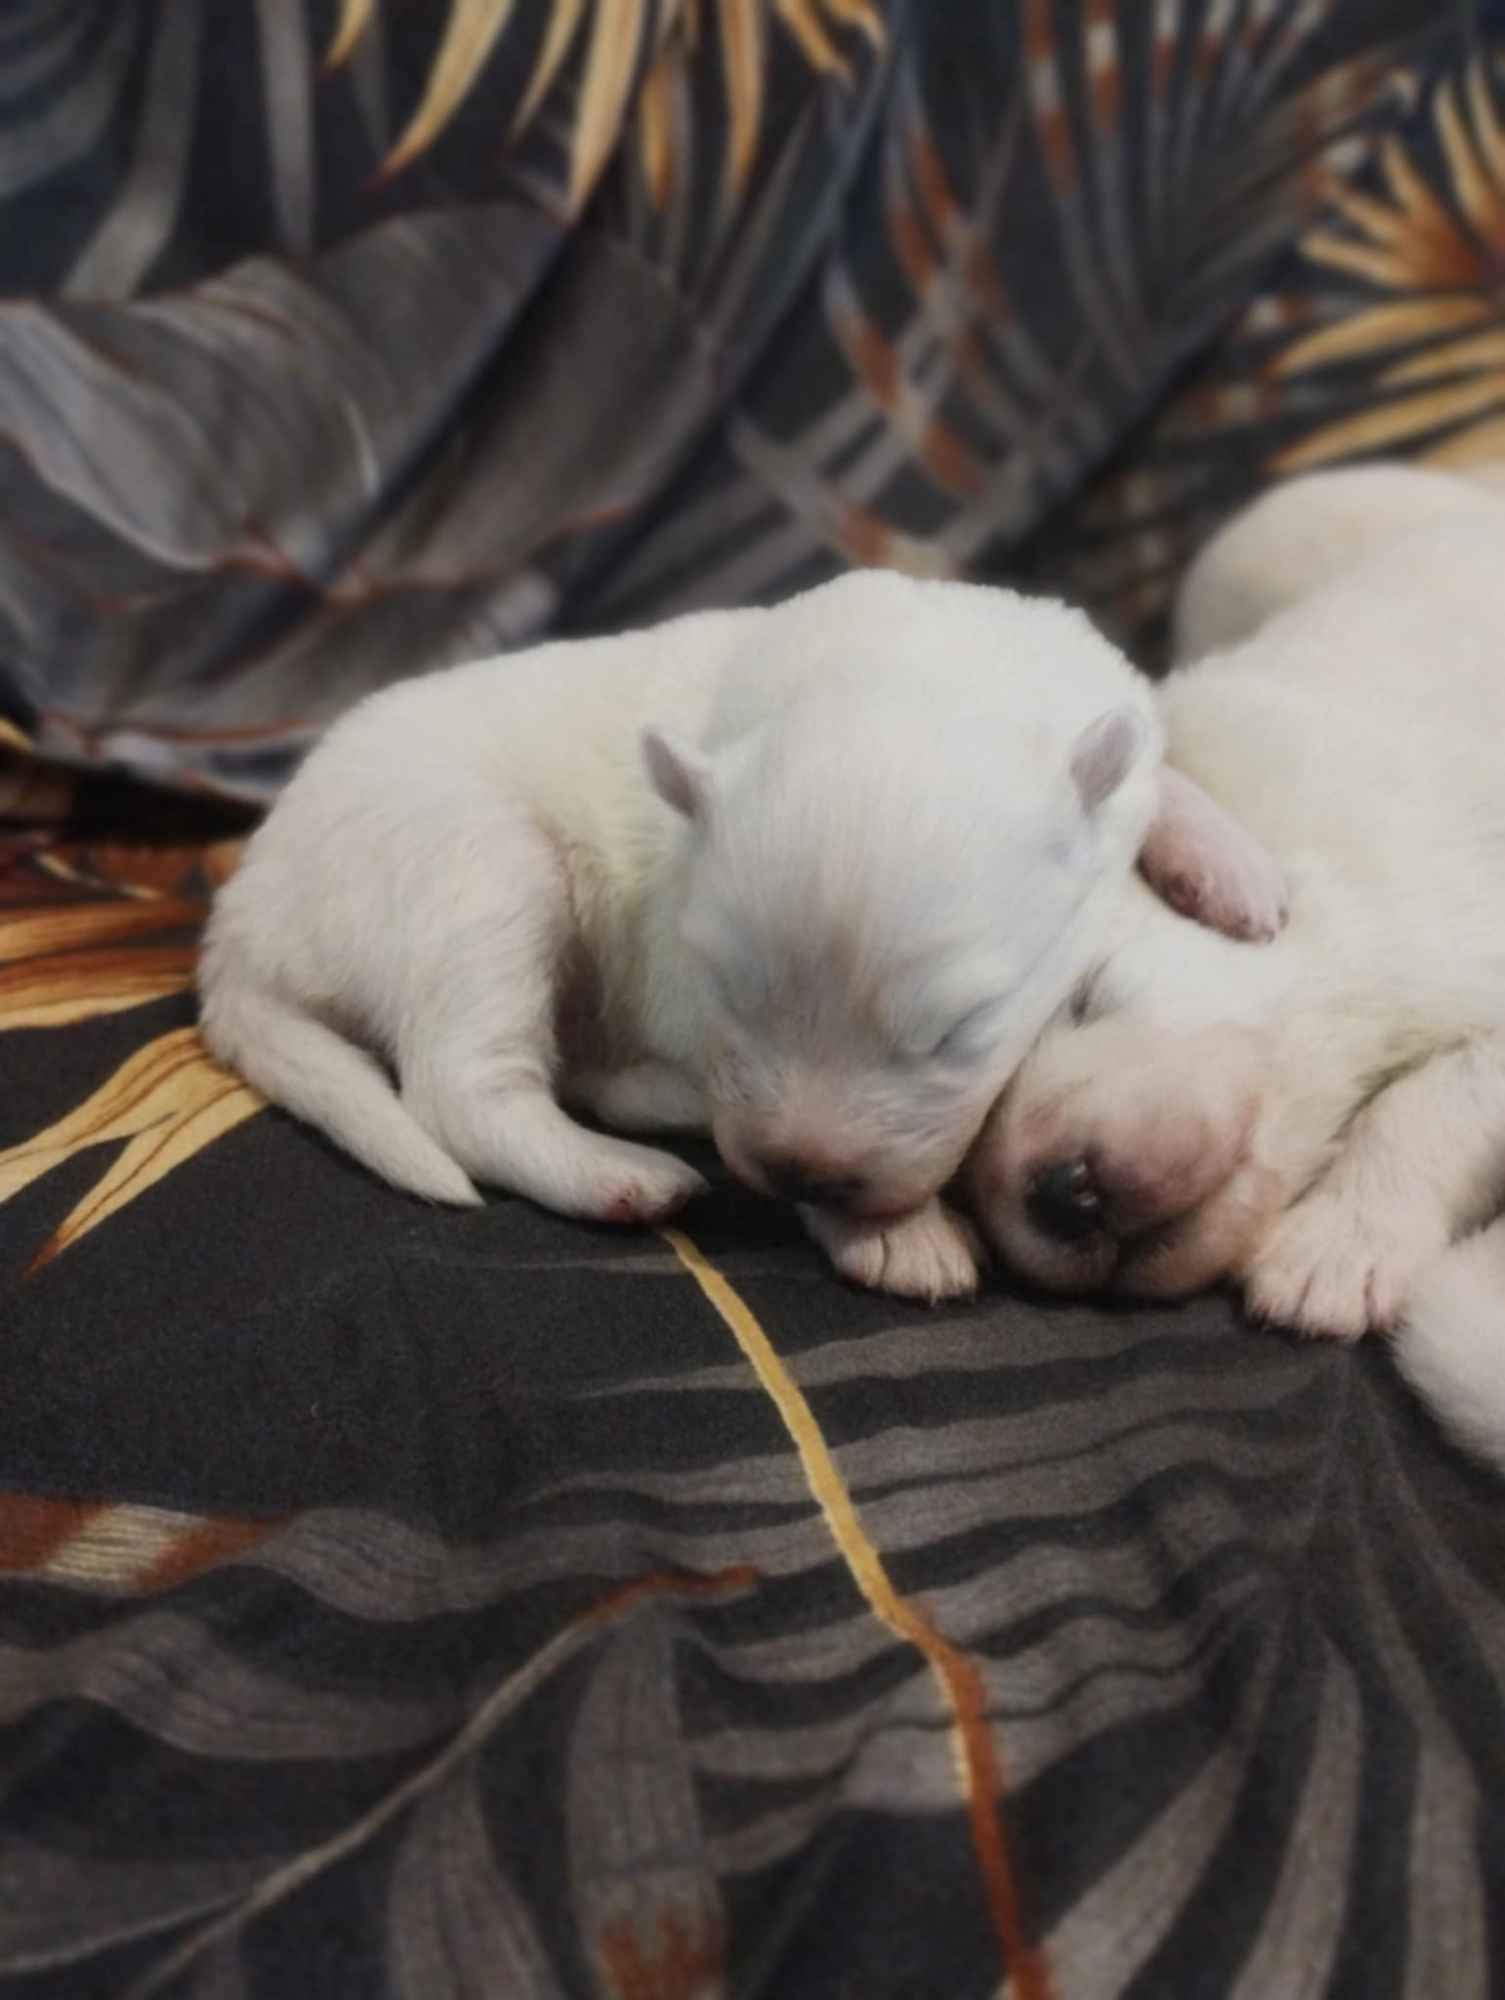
814,876
1319,1120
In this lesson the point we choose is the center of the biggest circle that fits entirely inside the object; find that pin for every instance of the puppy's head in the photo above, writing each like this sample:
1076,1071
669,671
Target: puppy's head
1121,1157
883,910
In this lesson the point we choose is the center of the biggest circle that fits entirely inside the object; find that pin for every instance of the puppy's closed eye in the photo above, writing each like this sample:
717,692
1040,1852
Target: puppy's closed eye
1086,1001
961,1037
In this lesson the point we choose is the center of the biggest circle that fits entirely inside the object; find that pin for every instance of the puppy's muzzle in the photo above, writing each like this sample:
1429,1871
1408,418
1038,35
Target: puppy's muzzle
1065,1203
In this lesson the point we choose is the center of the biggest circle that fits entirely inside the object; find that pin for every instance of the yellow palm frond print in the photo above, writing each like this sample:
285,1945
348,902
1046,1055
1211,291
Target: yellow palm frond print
623,43
1431,337
95,931
169,1100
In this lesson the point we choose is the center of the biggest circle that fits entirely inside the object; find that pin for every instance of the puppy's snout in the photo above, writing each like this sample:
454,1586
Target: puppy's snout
1064,1201
797,1179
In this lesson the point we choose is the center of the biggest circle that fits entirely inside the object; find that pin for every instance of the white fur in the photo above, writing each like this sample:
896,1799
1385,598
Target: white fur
1451,1343
1298,538
854,821
1322,1119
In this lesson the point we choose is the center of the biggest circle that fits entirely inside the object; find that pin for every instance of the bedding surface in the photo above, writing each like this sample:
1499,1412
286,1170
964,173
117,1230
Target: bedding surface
415,1602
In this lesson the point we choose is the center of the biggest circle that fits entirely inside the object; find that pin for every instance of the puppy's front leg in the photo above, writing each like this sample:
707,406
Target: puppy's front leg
1198,858
1418,1166
933,1254
647,1096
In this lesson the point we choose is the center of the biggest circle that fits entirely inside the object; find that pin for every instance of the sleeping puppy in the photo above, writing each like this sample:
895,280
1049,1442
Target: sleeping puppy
813,876
1320,1120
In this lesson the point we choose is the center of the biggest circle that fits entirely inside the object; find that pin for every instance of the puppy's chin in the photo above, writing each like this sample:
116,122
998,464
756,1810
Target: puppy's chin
878,1202
885,1207
877,1205
1072,1269
885,1185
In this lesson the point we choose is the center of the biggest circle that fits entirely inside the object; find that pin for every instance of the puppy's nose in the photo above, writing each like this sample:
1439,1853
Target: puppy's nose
799,1180
1065,1203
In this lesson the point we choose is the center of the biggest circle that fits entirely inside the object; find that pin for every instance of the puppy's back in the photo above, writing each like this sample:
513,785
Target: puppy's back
1307,534
1361,734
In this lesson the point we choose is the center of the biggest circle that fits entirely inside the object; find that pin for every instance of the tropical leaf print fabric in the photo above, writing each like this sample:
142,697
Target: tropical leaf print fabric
401,1603
1378,333
341,343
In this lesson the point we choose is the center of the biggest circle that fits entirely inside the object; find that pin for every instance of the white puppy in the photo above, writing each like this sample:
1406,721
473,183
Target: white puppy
826,916
1319,1120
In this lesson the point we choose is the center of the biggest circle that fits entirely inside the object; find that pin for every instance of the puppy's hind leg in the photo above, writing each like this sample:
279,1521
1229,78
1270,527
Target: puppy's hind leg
478,1060
1420,1164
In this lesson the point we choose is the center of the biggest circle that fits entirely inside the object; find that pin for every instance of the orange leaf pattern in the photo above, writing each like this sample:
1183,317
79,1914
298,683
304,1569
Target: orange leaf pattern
88,932
1388,338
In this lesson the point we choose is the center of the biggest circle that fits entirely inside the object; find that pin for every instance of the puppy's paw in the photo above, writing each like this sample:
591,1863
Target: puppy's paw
1336,1266
1205,864
932,1255
1244,896
648,1191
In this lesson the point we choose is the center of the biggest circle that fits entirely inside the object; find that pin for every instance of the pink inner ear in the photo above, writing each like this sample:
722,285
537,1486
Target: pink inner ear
1102,756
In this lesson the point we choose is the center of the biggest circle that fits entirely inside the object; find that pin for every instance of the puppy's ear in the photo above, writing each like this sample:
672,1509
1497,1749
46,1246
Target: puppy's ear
680,774
1103,755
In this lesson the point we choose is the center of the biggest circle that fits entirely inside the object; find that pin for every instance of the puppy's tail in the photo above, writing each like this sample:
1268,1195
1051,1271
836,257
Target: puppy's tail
309,1069
1451,1345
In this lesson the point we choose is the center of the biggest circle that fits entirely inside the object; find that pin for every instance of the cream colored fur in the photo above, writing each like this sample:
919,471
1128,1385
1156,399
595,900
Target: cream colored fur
1321,1120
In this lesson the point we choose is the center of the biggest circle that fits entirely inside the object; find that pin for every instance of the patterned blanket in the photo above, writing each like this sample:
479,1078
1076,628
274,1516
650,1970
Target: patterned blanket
399,1602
